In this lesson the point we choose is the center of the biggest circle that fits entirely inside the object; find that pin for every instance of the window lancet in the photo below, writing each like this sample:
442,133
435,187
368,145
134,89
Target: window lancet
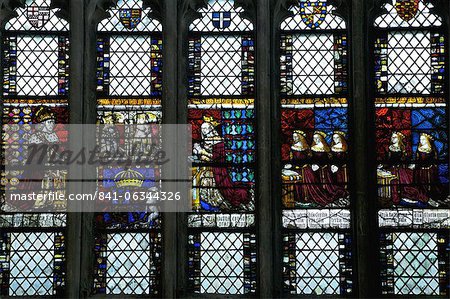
35,56
221,95
411,129
314,97
129,92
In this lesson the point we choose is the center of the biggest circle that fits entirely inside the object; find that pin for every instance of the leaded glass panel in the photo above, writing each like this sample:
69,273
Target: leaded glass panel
414,263
314,102
411,128
221,111
32,262
225,260
35,57
317,263
129,89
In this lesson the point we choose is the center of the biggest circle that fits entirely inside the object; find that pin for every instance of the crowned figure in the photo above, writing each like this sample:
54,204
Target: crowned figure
299,154
52,179
300,149
403,190
220,191
316,178
426,174
45,128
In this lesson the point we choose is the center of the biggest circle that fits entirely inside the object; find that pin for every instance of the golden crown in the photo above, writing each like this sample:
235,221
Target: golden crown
400,134
300,132
210,119
129,178
44,114
339,133
323,134
428,136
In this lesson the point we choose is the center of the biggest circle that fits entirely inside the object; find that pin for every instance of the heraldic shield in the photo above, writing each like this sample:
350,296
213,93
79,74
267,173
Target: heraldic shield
130,18
313,13
221,20
38,15
407,9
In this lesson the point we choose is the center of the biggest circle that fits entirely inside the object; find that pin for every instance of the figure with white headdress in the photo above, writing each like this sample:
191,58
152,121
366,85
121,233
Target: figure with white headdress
339,153
318,181
339,150
426,173
298,167
404,191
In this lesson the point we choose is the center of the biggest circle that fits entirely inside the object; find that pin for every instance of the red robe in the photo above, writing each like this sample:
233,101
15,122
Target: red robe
340,177
404,186
426,175
235,193
318,186
298,159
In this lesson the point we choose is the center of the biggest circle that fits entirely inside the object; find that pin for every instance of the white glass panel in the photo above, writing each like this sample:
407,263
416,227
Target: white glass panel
221,65
317,263
32,257
37,65
409,62
222,263
130,65
313,64
128,263
416,264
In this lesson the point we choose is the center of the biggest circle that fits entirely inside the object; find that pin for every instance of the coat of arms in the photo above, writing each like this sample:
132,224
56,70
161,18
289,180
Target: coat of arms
407,9
130,18
221,20
38,15
313,12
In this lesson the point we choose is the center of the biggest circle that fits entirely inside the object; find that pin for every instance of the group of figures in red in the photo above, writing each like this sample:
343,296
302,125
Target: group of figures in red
317,172
410,182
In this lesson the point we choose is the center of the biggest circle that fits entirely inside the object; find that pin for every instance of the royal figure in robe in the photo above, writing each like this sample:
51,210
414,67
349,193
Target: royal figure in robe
300,153
53,180
221,191
318,181
404,192
339,151
426,174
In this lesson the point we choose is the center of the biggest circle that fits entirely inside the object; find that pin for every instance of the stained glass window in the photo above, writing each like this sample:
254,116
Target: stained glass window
221,71
412,148
314,149
129,90
35,57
